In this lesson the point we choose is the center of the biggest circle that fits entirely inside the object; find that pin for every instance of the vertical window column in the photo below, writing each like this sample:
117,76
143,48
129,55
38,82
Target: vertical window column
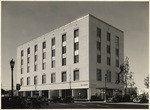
53,53
76,46
108,48
43,55
63,49
117,50
21,70
98,45
35,57
28,60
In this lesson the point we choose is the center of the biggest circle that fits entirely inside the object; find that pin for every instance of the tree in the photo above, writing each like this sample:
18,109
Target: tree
125,77
146,82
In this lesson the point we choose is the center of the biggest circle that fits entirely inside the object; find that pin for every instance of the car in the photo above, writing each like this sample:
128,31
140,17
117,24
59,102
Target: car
12,102
33,102
44,100
55,100
140,100
68,99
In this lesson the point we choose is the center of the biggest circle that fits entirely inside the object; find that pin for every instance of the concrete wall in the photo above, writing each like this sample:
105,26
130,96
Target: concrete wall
93,66
82,25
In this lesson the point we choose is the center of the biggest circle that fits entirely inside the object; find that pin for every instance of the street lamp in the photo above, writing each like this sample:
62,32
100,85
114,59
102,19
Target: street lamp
105,97
12,63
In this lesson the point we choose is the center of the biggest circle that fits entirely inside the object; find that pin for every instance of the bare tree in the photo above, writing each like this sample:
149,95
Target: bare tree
146,82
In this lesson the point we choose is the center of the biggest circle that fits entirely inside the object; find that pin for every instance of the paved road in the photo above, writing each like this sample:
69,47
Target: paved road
97,105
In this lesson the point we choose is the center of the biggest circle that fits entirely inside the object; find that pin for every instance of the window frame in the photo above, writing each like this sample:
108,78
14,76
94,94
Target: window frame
76,75
64,78
44,79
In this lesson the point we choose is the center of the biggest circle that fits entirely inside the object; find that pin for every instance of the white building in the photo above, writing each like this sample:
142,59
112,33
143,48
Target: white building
72,60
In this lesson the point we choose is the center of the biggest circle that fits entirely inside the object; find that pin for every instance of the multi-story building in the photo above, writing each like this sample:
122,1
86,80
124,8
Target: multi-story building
72,60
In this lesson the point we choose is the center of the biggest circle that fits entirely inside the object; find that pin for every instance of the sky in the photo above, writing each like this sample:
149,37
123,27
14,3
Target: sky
24,21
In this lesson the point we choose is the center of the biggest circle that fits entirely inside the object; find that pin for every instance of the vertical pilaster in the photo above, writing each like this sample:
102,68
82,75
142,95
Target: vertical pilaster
49,94
31,93
40,93
89,93
60,93
72,93
24,93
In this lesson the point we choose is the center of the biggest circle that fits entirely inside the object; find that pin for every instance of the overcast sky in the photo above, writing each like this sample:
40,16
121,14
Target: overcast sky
24,21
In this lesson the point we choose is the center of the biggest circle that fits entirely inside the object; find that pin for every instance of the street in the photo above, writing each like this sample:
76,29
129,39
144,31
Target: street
97,105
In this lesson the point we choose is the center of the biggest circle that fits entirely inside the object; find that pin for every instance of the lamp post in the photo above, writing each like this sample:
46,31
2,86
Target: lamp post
105,97
12,63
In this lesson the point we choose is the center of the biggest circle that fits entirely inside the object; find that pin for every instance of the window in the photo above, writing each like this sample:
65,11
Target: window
76,75
108,76
99,75
53,41
76,46
21,61
52,77
44,55
28,69
98,58
44,65
117,52
76,33
63,37
35,58
63,49
53,52
21,81
28,60
43,79
44,45
98,32
35,67
108,49
117,63
117,41
35,80
35,48
108,36
117,76
108,60
28,80
28,51
98,46
63,61
21,53
53,64
76,58
21,70
63,76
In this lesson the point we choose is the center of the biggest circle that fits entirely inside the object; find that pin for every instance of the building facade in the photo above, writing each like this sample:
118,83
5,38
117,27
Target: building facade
72,60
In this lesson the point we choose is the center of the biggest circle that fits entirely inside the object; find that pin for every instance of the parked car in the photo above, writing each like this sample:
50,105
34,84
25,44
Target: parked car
68,99
55,100
44,100
15,102
140,100
33,102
